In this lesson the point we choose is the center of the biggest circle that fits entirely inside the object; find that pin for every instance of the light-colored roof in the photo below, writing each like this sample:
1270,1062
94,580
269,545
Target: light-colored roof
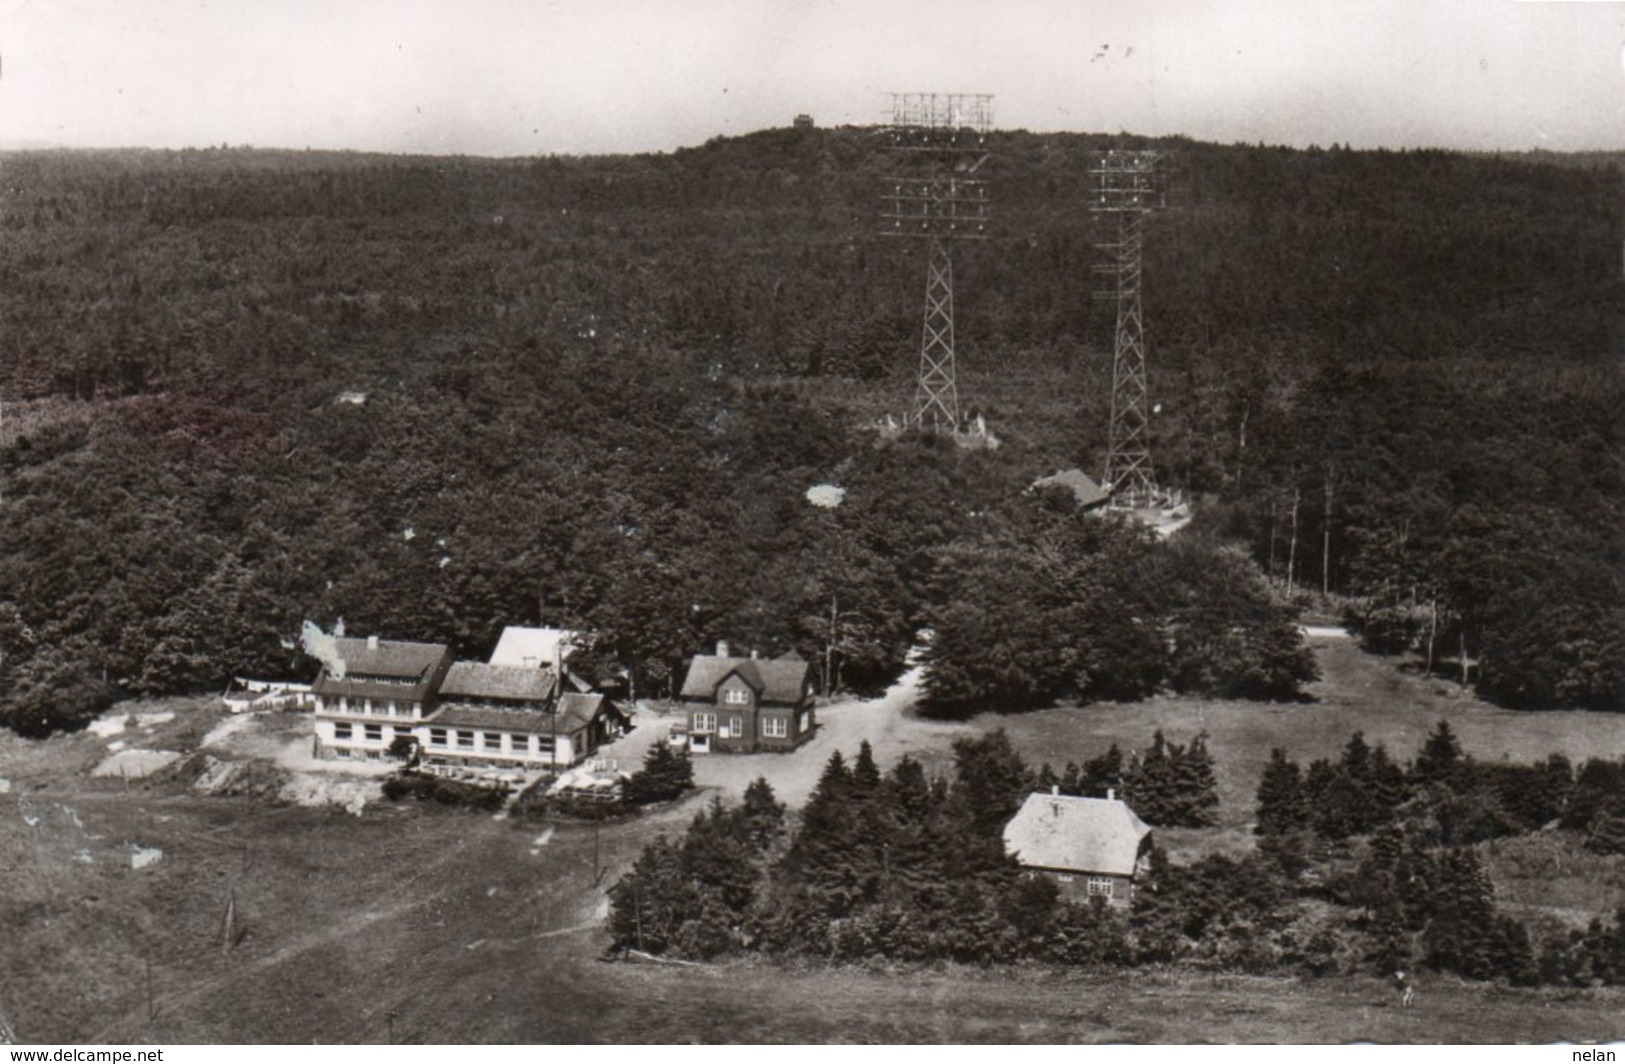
477,680
1083,488
532,647
782,679
1098,835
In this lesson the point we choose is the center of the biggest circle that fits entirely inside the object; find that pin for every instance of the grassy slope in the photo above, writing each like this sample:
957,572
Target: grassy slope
466,930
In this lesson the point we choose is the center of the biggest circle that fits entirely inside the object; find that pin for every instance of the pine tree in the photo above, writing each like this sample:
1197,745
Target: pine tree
1388,942
1281,807
1440,756
993,779
649,904
1460,935
762,814
1198,795
1101,774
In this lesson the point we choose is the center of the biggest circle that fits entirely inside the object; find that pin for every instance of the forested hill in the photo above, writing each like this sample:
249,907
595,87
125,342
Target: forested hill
432,396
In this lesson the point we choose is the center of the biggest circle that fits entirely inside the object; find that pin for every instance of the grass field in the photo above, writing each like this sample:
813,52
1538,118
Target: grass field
425,925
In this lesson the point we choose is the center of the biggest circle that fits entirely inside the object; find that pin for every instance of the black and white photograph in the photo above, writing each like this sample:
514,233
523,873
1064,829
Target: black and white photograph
811,522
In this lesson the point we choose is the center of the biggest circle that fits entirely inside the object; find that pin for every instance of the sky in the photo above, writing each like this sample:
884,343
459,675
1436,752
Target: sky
526,77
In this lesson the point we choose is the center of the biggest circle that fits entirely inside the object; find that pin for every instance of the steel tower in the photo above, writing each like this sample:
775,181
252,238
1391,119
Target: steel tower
939,142
1128,184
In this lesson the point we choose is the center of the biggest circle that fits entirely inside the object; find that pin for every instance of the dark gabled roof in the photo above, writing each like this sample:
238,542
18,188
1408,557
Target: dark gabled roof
383,669
387,657
1099,835
575,711
477,681
776,680
579,708
490,718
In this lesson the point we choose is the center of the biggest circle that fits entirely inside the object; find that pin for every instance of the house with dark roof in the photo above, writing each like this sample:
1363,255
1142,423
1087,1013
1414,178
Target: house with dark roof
745,704
514,716
373,691
1090,847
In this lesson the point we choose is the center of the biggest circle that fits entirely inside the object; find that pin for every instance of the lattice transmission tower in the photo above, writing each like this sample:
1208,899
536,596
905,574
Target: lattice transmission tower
939,142
1128,185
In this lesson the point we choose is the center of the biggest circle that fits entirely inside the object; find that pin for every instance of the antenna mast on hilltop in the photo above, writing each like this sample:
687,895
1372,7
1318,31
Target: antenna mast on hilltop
940,142
1129,185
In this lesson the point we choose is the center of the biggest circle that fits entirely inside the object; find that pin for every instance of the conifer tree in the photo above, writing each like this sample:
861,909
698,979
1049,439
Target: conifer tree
1389,943
1281,807
1440,757
1101,774
762,814
1197,788
993,779
1459,935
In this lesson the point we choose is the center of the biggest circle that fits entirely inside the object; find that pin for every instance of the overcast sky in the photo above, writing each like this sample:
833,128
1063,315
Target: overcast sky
514,77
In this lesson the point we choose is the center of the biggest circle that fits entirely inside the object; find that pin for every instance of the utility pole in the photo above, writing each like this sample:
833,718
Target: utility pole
939,141
1326,538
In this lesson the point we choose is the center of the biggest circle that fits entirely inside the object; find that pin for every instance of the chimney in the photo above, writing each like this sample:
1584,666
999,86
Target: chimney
1111,795
754,655
1055,789
372,642
722,648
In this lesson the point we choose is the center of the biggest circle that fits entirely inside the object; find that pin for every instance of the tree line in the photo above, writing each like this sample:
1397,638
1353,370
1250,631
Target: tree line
435,396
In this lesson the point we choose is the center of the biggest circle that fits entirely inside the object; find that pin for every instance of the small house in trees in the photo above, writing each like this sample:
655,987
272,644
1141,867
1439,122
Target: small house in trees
1090,847
374,691
1085,492
745,704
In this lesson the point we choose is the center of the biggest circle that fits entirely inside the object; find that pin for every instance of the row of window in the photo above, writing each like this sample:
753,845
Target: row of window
442,738
368,707
1100,886
733,727
372,733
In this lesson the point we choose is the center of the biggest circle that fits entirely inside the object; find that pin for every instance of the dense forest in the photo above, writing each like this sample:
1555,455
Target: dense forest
432,396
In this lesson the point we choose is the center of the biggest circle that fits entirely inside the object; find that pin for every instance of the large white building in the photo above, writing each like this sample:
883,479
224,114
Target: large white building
463,715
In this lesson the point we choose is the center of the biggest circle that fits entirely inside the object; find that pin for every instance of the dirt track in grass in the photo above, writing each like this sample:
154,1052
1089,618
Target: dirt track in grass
428,925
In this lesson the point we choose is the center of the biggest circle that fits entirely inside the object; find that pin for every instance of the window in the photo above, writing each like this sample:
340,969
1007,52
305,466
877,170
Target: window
375,732
343,752
437,737
704,723
519,744
341,730
736,696
1100,886
465,740
1063,878
736,726
775,728
493,740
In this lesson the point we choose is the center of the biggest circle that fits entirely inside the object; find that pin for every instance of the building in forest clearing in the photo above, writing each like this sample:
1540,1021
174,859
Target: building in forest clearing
1090,847
375,691
466,715
747,704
